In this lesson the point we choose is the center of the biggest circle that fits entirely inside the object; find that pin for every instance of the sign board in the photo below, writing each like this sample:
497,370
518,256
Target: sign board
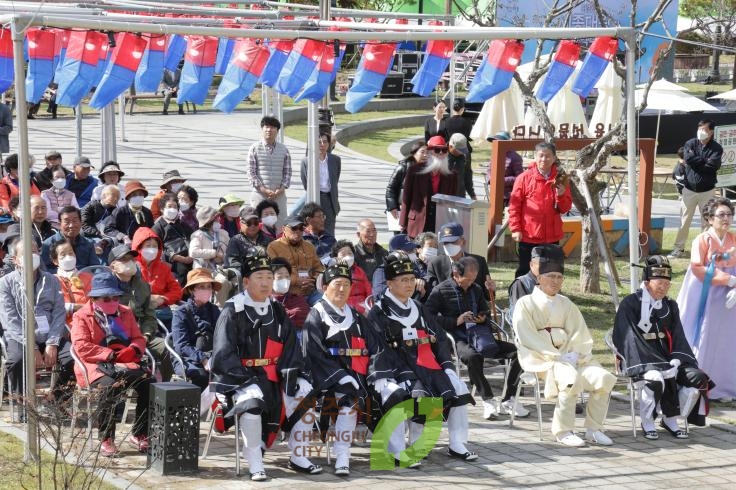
726,136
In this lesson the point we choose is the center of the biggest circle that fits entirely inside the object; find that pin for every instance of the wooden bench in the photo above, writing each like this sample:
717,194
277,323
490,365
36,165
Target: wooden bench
132,98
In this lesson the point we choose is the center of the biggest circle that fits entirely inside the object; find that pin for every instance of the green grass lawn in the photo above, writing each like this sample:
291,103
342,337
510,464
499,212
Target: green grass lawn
17,474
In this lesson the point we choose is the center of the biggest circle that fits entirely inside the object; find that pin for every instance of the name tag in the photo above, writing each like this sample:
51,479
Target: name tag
409,333
303,274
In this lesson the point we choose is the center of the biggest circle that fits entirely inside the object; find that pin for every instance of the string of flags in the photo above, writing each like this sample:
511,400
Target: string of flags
79,61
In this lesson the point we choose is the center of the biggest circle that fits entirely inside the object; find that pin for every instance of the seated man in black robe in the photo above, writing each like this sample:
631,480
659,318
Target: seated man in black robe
340,345
257,364
421,358
648,334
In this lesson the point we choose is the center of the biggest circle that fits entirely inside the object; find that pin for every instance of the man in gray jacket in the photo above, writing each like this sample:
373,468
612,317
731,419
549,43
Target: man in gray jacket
52,345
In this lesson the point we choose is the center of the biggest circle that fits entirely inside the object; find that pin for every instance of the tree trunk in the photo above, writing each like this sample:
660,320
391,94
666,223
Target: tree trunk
590,272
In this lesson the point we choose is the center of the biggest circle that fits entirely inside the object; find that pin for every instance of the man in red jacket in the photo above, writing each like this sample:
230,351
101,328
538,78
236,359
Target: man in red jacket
539,199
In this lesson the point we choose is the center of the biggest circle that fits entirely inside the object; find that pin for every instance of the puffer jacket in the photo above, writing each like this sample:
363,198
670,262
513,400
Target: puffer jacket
157,273
535,209
360,290
88,337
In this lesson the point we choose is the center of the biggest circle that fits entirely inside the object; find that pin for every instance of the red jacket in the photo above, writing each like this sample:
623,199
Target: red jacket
88,335
156,273
535,209
9,189
360,289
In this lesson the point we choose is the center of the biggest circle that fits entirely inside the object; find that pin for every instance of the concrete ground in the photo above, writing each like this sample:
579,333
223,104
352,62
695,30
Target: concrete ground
210,150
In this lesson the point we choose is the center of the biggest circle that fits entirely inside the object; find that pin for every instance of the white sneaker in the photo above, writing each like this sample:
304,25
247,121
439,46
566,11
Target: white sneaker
490,409
508,406
598,437
570,439
676,254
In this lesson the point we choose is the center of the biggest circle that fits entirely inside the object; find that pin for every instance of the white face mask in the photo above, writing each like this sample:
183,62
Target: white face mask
216,226
149,253
129,268
175,187
269,220
281,286
349,260
170,213
451,249
702,135
68,263
36,261
183,205
136,201
232,211
59,183
429,252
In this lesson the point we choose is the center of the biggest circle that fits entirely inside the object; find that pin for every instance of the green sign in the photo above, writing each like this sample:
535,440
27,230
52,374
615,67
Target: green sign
431,408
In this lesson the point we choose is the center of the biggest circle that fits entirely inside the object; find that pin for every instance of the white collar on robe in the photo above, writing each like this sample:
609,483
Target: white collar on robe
411,318
335,327
647,305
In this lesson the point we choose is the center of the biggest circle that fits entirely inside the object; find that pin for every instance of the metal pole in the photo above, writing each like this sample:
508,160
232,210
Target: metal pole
631,150
279,110
103,135
112,144
312,154
78,119
452,74
24,180
121,115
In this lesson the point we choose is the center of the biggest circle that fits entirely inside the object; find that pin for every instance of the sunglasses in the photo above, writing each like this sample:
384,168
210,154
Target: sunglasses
252,223
297,228
439,151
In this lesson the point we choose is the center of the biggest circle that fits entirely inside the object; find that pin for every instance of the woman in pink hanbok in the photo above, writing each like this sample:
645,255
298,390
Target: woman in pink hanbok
707,297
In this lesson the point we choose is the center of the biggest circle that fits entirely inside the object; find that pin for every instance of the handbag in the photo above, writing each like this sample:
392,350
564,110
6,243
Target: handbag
177,246
480,338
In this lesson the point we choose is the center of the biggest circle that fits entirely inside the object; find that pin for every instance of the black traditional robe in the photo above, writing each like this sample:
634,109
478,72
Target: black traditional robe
242,337
653,350
411,360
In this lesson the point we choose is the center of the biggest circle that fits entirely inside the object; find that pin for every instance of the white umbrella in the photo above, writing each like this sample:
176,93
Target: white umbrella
730,95
503,112
609,105
667,96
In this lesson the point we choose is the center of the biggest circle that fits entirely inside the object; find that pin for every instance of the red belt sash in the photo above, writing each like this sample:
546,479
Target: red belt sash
359,363
425,355
268,361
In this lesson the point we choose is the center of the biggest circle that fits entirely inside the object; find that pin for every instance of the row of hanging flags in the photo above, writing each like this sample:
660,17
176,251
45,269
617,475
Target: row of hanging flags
78,61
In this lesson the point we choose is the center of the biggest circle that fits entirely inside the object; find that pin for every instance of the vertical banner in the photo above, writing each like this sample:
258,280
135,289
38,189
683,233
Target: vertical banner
120,72
436,59
496,71
199,68
175,49
151,68
245,68
560,69
370,75
79,69
300,64
41,47
7,70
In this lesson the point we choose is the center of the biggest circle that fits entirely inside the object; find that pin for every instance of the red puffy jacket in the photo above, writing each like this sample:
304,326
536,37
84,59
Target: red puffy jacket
156,273
535,209
360,290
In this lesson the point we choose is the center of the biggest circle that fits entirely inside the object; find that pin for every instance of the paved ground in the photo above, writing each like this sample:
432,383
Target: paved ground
210,149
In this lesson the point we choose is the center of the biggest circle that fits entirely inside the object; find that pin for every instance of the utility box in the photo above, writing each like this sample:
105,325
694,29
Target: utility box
472,215
173,428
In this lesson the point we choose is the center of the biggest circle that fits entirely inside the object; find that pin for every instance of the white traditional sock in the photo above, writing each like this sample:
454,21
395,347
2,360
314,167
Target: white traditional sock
647,404
250,427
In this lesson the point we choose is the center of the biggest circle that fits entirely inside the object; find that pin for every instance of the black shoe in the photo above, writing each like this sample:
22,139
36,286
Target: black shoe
677,434
314,469
166,113
414,465
467,456
652,435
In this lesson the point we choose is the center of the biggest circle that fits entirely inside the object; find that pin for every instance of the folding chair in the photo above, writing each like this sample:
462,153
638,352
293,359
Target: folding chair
3,368
620,367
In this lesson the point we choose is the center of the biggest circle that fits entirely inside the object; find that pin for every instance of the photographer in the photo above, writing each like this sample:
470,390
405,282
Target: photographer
463,309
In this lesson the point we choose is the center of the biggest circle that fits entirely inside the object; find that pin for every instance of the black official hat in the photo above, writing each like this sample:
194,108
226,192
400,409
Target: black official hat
551,258
398,264
255,261
337,270
657,267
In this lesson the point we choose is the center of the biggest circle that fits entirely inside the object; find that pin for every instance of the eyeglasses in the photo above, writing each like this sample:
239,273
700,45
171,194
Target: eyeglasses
439,151
724,215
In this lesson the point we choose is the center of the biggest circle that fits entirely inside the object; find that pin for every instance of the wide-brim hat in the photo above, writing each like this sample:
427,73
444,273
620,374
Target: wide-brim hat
229,199
172,176
104,283
12,233
109,168
205,214
200,276
135,185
